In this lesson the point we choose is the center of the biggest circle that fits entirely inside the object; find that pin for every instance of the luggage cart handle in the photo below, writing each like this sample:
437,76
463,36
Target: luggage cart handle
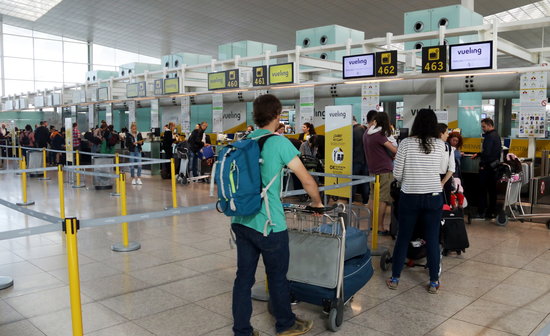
308,209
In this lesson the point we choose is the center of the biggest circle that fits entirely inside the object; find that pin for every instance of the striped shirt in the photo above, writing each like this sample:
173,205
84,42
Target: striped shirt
417,171
76,138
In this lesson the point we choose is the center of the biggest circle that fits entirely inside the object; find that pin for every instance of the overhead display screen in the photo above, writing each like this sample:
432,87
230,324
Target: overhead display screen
471,56
281,74
358,66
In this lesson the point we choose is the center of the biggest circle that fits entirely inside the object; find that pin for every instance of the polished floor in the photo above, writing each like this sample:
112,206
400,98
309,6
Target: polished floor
180,281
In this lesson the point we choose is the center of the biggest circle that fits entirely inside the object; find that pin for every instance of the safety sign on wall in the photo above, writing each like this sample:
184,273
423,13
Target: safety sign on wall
370,99
338,147
185,114
217,113
307,105
532,101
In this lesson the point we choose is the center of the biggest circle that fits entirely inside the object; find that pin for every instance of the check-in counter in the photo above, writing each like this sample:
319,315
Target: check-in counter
151,149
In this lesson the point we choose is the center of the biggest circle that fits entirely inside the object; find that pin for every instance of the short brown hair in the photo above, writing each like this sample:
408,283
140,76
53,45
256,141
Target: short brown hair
458,136
266,108
488,121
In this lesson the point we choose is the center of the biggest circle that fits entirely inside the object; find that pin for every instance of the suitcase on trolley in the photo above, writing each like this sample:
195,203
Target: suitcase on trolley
453,232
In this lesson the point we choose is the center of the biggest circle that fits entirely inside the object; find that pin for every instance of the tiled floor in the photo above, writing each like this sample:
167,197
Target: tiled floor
180,281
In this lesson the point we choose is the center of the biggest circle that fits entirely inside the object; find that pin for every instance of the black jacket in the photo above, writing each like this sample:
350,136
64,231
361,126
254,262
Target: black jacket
195,140
491,150
167,141
129,141
41,137
358,149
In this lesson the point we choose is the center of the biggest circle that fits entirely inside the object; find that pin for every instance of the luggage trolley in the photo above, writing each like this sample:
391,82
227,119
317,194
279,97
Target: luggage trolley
318,271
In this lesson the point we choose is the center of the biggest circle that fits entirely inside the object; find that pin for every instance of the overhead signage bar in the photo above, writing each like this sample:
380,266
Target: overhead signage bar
386,63
228,79
434,59
281,74
471,56
358,66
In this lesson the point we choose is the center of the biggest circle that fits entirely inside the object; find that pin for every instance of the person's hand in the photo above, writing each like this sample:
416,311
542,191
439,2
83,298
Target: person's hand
207,144
316,205
474,156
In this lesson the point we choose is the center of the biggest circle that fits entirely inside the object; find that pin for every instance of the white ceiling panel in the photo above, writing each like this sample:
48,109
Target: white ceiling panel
155,28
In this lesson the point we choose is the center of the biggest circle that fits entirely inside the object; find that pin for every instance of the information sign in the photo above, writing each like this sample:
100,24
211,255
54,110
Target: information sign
171,85
142,89
358,66
103,93
259,75
158,87
386,63
338,146
216,80
434,59
132,90
471,56
232,79
281,74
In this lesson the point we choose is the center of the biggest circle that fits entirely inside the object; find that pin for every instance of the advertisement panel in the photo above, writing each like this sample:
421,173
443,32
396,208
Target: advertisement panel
338,147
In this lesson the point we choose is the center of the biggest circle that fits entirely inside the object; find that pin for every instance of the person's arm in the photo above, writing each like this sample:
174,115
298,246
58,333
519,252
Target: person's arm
399,163
390,147
307,180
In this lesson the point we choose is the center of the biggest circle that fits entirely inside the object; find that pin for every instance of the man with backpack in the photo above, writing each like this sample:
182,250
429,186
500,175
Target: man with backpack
42,135
265,232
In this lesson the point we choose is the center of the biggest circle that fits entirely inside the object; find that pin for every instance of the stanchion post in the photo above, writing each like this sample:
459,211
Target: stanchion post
61,191
125,246
117,181
44,165
77,158
173,178
70,228
24,185
375,210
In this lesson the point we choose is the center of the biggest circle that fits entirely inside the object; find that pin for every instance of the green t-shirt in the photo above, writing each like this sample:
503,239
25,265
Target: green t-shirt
277,152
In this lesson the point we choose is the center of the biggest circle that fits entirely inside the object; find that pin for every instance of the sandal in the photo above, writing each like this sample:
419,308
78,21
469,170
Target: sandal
392,283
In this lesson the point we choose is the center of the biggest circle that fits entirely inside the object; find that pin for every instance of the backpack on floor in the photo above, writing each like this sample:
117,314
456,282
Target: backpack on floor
237,174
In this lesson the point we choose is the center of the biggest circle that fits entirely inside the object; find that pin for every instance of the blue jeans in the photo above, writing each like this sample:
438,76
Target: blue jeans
275,254
418,209
137,155
195,164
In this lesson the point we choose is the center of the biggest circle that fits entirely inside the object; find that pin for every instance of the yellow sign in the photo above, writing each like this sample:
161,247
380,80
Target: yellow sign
281,74
519,147
541,145
171,85
386,58
471,145
433,54
216,80
259,75
338,147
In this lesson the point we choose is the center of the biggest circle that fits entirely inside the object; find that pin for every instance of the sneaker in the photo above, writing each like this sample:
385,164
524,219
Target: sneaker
433,287
392,283
134,181
139,181
300,327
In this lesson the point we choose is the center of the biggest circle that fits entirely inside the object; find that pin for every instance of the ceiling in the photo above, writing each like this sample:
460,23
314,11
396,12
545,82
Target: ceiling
156,28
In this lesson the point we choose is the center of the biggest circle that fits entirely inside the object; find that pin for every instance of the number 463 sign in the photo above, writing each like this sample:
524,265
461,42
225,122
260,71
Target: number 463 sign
434,59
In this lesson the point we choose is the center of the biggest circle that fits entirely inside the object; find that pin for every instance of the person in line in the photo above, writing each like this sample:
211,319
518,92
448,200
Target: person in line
274,248
76,137
455,140
41,135
280,129
379,152
106,146
58,143
4,131
489,160
26,138
360,166
307,130
417,167
98,137
197,140
249,129
168,139
447,164
134,141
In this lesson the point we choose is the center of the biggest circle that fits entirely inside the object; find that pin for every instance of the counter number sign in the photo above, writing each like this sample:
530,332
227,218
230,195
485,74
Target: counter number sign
386,63
434,59
232,79
259,75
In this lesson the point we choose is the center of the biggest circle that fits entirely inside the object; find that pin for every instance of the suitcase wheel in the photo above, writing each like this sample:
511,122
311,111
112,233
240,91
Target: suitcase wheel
385,259
458,252
336,317
502,219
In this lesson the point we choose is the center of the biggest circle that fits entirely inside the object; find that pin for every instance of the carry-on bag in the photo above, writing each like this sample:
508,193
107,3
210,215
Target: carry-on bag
453,232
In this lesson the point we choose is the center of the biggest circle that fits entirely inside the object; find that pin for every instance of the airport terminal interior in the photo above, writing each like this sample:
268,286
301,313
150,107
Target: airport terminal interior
118,121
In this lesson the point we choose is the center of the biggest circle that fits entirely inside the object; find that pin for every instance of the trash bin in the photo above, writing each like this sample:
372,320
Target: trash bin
99,182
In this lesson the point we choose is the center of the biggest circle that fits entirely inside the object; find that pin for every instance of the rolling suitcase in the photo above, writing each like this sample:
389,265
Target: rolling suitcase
34,159
453,232
100,182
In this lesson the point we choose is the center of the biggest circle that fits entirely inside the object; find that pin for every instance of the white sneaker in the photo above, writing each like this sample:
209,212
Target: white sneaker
139,181
134,181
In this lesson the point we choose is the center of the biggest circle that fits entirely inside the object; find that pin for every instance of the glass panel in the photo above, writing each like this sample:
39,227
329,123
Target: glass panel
18,46
104,67
48,50
48,71
148,59
46,85
124,57
75,73
16,30
18,86
75,52
104,55
18,68
46,36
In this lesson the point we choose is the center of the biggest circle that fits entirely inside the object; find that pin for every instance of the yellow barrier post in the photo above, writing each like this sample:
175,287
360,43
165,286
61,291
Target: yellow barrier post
375,210
70,228
20,156
173,178
61,191
24,186
125,246
44,165
77,159
117,181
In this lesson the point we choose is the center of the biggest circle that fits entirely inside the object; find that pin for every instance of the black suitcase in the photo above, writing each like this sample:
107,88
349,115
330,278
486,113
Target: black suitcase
165,173
453,232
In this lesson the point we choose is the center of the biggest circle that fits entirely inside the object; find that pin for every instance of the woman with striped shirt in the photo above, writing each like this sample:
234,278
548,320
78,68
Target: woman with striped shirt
417,167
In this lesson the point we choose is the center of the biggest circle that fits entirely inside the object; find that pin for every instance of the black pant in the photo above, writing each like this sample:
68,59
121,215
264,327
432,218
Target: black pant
363,189
447,189
487,188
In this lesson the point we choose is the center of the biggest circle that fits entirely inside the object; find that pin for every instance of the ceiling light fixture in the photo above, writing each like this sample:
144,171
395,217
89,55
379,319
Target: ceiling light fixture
31,10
